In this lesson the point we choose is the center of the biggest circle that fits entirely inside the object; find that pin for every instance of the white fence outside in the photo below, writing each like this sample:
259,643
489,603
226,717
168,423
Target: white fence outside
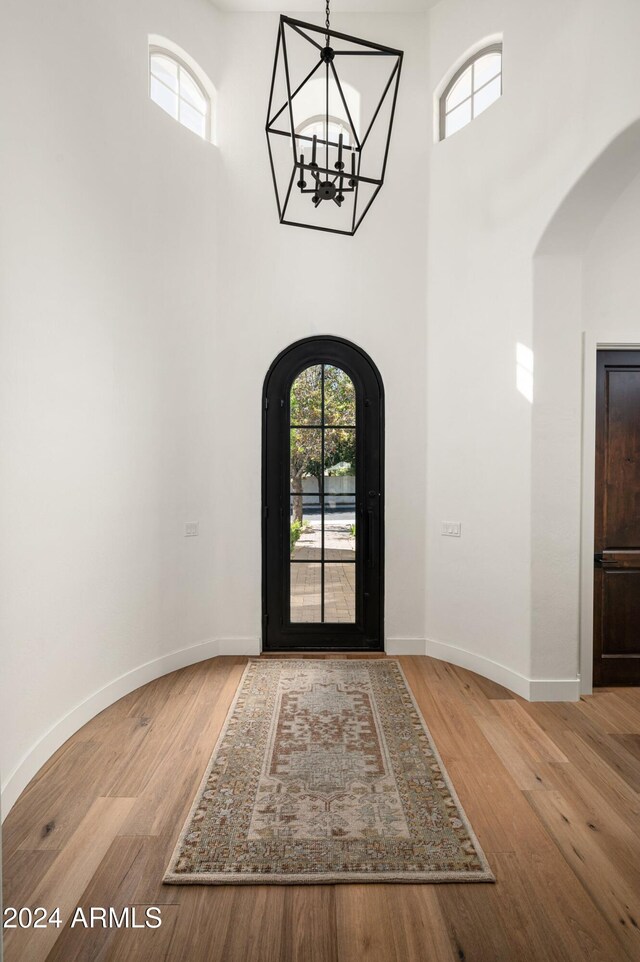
343,485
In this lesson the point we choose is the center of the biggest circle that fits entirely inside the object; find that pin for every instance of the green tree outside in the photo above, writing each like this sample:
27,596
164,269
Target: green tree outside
307,423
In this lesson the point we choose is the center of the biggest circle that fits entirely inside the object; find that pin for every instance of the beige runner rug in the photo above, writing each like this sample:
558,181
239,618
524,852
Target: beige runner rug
326,772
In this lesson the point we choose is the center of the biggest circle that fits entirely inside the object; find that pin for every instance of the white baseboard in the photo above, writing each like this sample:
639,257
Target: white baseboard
238,646
404,646
65,727
533,689
554,689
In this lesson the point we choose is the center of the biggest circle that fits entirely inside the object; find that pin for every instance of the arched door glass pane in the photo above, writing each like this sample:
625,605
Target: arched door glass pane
322,471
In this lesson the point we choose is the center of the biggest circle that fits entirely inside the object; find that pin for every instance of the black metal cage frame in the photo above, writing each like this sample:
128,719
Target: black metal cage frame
338,181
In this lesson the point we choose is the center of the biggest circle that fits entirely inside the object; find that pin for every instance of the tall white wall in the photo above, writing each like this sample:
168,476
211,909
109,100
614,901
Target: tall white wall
108,303
569,279
505,597
135,346
280,284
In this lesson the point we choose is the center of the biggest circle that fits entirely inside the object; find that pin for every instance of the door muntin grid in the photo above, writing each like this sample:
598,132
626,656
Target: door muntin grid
322,427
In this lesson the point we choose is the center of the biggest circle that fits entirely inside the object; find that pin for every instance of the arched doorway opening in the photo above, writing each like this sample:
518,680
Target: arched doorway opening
569,333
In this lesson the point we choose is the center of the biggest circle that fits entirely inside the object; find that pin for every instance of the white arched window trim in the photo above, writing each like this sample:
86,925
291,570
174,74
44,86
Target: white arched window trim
164,46
455,70
337,126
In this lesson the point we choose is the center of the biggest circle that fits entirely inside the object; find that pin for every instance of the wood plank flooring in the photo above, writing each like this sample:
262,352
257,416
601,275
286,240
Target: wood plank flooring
552,791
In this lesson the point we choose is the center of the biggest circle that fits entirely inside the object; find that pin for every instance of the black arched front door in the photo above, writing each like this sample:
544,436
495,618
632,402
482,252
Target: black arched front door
322,488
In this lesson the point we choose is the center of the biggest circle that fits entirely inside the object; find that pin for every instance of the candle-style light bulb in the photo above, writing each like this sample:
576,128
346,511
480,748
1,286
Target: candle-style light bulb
340,165
302,182
313,151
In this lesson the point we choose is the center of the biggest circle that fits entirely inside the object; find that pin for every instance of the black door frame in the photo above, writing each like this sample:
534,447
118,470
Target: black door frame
278,633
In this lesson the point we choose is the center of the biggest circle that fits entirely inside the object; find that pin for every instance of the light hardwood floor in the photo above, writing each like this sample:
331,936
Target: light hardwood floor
552,790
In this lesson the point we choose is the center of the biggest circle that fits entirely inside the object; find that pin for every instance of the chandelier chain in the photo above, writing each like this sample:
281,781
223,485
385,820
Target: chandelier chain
326,23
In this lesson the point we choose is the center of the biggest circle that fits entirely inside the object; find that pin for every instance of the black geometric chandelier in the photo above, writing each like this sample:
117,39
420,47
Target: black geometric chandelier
331,110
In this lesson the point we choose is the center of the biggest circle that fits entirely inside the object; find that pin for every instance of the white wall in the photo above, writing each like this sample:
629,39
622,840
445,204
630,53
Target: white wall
108,269
611,293
508,591
567,333
282,283
135,351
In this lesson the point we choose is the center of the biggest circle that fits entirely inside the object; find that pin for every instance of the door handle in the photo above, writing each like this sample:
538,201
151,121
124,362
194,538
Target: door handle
600,561
370,537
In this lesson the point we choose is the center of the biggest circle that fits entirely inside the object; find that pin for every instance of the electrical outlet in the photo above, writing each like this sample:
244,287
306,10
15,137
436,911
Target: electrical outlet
191,529
450,529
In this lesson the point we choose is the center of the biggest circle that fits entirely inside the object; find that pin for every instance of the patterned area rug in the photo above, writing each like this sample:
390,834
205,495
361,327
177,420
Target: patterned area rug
325,772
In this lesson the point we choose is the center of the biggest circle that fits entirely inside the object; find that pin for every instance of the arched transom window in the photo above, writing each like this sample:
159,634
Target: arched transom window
310,118
175,87
317,127
473,87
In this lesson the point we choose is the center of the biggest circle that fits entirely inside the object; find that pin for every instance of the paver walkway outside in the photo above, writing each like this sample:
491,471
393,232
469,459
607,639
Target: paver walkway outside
340,584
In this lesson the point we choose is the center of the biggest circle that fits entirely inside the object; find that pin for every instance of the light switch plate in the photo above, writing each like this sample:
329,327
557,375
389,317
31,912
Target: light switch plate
451,529
191,529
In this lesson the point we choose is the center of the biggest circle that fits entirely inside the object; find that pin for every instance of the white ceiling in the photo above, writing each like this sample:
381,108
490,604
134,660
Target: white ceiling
317,6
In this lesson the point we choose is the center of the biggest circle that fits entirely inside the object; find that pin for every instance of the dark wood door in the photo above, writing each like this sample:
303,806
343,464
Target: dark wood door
322,507
617,520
